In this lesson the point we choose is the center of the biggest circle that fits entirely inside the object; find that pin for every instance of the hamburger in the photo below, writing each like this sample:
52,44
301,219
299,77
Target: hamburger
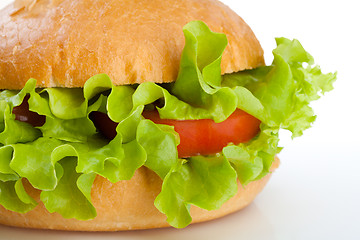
119,115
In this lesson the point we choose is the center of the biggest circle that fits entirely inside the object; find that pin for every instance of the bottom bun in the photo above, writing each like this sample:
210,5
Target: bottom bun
126,205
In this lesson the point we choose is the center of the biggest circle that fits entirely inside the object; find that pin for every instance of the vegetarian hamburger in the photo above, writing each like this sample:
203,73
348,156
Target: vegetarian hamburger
118,115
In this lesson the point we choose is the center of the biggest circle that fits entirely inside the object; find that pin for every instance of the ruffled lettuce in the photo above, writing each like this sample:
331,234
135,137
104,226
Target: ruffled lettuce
206,182
72,195
283,90
63,157
14,197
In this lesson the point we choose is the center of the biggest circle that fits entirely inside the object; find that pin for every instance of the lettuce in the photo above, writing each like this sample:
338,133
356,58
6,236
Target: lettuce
202,181
14,197
283,90
72,195
63,157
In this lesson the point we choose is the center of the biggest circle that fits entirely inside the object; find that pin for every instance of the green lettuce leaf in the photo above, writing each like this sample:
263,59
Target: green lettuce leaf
203,182
284,89
72,130
253,160
35,162
199,79
14,197
161,149
72,195
16,131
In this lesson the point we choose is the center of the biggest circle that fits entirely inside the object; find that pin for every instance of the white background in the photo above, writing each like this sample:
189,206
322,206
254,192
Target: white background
315,194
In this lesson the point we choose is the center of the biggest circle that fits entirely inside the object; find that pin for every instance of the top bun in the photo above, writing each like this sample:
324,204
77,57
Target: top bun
63,43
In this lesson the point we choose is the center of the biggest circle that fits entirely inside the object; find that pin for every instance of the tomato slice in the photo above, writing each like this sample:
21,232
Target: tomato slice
23,114
104,124
205,137
197,137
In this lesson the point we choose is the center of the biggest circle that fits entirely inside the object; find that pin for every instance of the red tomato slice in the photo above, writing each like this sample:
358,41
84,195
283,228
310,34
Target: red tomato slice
205,137
23,114
197,137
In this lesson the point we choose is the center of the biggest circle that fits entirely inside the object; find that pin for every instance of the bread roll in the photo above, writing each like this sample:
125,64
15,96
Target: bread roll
64,43
126,205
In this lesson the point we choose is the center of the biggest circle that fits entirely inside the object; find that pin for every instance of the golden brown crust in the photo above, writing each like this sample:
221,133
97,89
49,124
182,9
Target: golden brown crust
62,43
126,205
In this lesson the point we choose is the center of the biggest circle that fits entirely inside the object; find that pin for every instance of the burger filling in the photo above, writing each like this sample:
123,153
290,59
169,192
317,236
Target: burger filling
201,130
197,137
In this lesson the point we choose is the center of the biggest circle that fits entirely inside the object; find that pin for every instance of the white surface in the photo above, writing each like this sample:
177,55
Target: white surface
315,194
